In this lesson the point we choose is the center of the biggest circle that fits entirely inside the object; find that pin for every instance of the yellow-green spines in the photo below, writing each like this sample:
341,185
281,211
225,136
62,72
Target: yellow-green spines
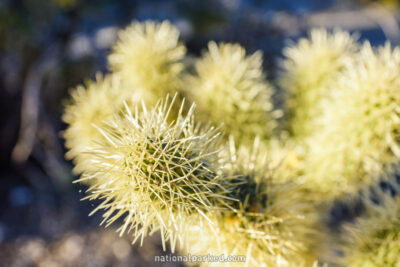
385,252
91,104
148,56
373,240
308,68
271,225
229,88
155,174
359,127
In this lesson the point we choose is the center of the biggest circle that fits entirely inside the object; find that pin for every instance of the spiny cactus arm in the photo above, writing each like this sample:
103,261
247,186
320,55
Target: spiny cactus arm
374,238
359,133
229,87
156,174
271,224
90,105
308,68
149,58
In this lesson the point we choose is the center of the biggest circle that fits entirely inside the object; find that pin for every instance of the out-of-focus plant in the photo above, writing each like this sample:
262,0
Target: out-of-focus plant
90,106
229,88
374,238
359,128
308,68
271,224
149,57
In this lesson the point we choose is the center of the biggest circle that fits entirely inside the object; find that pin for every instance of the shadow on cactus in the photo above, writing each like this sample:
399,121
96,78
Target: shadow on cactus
272,224
374,238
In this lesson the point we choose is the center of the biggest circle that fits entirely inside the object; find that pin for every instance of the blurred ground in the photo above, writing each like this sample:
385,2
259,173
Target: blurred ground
49,46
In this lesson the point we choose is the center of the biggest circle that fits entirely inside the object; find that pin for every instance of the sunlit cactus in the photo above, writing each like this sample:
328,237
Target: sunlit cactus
148,56
155,174
373,240
224,178
308,69
91,104
229,88
271,225
287,158
359,128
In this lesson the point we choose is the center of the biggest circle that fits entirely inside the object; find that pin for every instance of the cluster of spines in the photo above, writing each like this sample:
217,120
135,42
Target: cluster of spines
308,68
359,126
259,225
373,239
146,66
149,56
156,174
230,89
91,105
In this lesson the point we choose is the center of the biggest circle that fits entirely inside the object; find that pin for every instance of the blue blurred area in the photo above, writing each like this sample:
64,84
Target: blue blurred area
290,6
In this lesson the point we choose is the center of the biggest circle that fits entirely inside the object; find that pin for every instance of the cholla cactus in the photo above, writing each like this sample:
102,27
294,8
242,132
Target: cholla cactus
359,131
148,56
271,225
91,105
309,67
156,174
288,158
373,240
230,89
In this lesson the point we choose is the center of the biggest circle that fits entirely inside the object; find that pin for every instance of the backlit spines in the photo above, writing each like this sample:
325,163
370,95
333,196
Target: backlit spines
148,56
271,224
374,238
91,104
230,88
308,69
156,174
359,127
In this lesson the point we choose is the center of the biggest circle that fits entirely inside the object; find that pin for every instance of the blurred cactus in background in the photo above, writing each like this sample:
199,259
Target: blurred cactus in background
218,175
230,89
308,68
90,106
374,238
359,126
272,224
149,56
